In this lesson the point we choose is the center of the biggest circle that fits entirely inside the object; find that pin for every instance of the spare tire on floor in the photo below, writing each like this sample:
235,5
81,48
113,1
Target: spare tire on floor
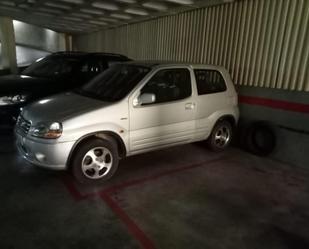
260,138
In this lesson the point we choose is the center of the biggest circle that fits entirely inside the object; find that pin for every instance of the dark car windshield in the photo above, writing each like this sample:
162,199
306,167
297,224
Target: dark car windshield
52,66
115,83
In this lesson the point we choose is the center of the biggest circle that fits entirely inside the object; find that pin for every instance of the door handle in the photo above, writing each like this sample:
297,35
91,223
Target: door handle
189,106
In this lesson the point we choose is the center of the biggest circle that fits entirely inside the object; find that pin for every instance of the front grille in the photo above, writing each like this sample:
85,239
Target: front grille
23,124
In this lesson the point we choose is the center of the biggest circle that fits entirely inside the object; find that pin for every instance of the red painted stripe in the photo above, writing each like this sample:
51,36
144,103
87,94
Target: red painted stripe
136,232
127,184
133,228
273,103
77,196
69,183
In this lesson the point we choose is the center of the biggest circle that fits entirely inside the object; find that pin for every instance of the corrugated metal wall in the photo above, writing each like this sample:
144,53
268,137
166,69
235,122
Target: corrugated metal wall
262,42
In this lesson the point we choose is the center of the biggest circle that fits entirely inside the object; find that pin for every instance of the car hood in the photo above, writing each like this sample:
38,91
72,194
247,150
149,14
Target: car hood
61,107
11,84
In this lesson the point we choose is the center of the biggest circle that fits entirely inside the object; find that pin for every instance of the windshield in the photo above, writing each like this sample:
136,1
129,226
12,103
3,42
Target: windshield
115,83
52,66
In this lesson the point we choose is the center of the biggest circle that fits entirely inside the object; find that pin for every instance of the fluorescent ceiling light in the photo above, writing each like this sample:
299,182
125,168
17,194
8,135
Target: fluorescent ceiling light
86,25
106,6
181,1
59,24
43,14
64,22
72,18
73,29
126,1
74,1
56,5
10,9
81,15
107,19
24,6
138,12
92,11
155,6
121,16
50,10
97,22
7,3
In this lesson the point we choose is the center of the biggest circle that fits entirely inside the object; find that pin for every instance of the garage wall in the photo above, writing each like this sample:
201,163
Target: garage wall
262,43
34,42
39,38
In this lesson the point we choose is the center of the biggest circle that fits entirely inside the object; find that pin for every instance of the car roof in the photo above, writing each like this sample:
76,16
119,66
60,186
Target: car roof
87,54
155,64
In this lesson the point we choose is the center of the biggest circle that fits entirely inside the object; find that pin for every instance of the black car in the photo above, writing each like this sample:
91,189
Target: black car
55,73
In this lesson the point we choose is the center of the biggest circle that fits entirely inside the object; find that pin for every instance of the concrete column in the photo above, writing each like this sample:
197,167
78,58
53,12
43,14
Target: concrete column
8,47
68,42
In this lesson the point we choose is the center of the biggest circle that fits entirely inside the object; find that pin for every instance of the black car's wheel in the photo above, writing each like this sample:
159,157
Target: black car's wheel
221,136
95,161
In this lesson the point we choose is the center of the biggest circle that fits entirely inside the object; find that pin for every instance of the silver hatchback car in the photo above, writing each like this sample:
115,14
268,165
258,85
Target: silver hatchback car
131,108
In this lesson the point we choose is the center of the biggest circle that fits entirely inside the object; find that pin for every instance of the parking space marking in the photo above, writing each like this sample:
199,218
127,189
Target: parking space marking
76,195
132,227
106,196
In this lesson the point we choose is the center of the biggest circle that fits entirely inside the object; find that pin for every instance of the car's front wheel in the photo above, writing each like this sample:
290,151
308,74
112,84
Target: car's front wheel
95,161
221,136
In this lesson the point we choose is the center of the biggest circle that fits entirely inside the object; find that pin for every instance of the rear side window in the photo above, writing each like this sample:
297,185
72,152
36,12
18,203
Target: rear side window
98,64
209,81
169,85
94,65
111,60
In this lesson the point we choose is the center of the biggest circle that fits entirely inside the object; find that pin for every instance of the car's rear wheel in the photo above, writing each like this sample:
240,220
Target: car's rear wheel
95,161
221,136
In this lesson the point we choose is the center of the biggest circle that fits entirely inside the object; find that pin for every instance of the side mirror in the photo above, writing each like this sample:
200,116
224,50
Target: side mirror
147,98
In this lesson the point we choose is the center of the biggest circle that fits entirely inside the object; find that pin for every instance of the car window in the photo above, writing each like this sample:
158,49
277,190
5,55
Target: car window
113,62
52,66
209,81
114,83
100,63
95,66
169,85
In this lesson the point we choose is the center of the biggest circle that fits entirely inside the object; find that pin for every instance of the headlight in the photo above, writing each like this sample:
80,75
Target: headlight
50,130
13,99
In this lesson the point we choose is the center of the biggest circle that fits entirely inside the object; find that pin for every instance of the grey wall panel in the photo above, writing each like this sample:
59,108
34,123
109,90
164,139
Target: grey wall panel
262,43
39,38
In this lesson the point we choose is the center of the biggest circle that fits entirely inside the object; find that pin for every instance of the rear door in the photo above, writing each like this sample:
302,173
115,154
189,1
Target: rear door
211,90
170,120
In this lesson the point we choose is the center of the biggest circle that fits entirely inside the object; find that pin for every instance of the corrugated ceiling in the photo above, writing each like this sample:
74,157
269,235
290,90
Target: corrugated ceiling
82,16
263,43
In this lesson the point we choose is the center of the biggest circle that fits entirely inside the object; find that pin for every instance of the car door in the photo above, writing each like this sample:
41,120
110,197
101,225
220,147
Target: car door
211,98
170,118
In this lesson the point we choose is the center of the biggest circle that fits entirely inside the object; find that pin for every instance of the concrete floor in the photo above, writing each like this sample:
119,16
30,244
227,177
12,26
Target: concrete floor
182,197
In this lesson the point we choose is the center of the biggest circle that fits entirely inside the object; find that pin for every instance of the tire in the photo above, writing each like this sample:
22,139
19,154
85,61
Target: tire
221,136
95,161
260,139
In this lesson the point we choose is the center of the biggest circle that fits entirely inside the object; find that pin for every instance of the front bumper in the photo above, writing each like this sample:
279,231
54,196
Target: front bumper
51,155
